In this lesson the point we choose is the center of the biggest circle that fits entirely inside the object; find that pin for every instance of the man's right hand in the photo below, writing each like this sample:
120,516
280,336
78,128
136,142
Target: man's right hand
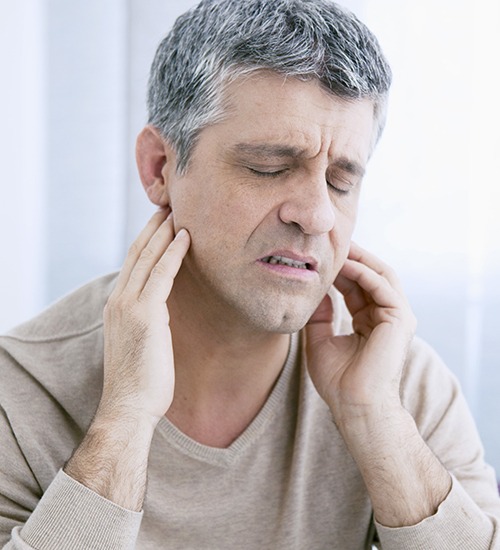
138,381
138,355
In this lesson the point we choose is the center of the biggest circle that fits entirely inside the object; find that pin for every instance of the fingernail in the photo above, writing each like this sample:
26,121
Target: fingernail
181,233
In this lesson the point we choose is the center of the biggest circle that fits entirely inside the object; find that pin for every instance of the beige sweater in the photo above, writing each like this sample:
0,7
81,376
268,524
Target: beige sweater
286,483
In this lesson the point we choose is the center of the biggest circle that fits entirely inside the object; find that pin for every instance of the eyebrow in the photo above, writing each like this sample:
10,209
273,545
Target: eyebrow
273,151
350,166
268,150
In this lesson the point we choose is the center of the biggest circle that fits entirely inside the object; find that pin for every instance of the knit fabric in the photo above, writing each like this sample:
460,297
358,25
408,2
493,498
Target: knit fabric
287,482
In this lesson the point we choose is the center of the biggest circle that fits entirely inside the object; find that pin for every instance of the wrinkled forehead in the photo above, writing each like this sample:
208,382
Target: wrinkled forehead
260,92
267,111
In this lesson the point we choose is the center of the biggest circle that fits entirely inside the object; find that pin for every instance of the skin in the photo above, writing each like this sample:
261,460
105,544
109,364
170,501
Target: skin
241,205
279,176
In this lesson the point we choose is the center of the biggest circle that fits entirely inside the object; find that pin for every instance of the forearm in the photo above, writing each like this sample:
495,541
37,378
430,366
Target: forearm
112,459
138,368
404,479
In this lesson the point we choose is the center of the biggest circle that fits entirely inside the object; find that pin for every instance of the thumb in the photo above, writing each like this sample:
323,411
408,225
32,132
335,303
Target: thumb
320,324
323,313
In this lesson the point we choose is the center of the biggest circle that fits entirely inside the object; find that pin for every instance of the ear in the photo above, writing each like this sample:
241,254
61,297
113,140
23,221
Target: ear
156,163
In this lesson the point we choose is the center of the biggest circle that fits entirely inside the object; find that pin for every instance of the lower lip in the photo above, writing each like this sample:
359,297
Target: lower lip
288,271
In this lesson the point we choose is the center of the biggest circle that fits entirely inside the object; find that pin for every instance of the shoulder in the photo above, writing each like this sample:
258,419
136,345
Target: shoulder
433,395
55,360
76,313
51,373
426,379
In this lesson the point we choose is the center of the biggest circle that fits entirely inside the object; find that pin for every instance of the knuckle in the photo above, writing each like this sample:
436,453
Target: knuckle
134,249
389,273
161,271
147,254
117,306
110,306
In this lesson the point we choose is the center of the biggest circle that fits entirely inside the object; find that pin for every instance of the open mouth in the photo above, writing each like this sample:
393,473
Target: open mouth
281,260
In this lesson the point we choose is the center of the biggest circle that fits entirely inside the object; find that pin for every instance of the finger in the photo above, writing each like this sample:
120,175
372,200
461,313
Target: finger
324,312
356,299
374,284
149,258
162,276
320,324
137,247
361,255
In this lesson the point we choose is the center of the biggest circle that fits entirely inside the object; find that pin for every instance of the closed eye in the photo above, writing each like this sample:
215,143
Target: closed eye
345,190
267,173
341,183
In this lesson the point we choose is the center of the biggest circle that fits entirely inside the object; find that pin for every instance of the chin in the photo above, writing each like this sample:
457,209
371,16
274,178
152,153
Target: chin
293,323
283,313
286,322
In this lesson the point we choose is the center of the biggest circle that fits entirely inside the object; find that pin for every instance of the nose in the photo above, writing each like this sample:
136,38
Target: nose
309,206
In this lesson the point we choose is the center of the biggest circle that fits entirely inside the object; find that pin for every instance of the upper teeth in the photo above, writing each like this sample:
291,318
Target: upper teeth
285,261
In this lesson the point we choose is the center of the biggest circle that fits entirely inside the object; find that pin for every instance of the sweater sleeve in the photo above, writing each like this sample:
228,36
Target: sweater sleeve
45,365
67,515
70,516
470,515
458,523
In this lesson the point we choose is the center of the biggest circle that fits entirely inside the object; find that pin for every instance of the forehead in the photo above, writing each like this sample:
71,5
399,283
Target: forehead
267,111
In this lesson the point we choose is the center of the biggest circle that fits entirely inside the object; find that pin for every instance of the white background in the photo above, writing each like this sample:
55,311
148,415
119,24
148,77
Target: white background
72,101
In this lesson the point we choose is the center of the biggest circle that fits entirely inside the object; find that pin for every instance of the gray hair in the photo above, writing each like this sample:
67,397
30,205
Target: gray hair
222,40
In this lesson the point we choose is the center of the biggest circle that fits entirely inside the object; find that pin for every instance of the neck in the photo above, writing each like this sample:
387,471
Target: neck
224,371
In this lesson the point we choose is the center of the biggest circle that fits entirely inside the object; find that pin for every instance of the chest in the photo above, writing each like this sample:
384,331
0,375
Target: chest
291,486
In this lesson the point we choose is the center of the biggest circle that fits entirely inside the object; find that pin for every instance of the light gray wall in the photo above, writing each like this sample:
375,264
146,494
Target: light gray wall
73,100
86,139
99,55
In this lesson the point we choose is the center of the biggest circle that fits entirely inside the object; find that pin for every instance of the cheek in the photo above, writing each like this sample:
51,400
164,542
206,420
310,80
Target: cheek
213,228
345,221
190,209
346,206
340,238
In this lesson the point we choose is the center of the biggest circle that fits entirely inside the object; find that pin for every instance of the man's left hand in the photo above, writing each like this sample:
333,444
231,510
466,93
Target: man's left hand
361,372
359,375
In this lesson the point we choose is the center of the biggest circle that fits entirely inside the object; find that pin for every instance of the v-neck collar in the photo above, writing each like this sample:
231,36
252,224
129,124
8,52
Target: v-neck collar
225,456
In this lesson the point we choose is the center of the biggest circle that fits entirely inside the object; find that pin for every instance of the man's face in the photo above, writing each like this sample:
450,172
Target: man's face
270,198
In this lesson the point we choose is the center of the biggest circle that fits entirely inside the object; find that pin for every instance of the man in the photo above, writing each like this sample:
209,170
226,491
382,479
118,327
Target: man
226,402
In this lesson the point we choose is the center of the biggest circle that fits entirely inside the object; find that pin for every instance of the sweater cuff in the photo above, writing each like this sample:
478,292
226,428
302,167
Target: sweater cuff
458,523
69,515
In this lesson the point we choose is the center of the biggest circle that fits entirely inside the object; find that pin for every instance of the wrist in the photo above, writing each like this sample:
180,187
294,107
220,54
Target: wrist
112,459
369,423
404,479
115,414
